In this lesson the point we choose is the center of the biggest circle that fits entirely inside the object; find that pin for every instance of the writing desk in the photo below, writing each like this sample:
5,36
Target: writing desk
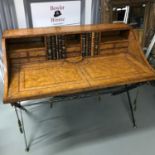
49,62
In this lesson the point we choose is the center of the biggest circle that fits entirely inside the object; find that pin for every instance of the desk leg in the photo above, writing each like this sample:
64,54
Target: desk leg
21,126
51,104
131,109
135,100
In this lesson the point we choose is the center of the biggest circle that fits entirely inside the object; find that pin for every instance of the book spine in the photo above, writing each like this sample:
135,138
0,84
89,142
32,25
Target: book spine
95,46
86,44
97,40
89,43
92,43
57,48
98,43
83,44
53,47
63,47
45,44
49,47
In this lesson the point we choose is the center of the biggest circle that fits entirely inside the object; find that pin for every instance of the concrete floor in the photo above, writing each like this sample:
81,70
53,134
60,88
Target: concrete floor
83,127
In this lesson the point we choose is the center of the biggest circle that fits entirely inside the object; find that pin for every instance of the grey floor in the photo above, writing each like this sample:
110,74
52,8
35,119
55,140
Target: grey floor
83,127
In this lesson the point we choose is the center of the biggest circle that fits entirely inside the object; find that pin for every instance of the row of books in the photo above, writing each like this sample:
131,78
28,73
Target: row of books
57,48
90,44
86,44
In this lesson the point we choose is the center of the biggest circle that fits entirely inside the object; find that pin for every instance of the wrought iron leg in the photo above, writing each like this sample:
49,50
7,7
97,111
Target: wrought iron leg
21,126
131,109
135,100
19,121
99,98
24,133
51,104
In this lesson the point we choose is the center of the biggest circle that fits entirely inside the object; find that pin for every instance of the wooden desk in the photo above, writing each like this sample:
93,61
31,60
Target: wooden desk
30,73
51,62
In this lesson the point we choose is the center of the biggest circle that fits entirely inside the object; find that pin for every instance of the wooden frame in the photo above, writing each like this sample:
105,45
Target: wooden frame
29,15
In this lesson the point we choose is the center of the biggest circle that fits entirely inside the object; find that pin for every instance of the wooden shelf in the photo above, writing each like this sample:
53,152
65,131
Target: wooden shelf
24,53
25,46
113,39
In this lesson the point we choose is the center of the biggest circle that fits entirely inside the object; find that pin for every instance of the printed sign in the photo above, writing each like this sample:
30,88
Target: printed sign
56,13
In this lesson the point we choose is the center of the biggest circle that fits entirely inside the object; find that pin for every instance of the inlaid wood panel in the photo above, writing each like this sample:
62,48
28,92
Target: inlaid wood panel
61,77
32,79
113,70
46,78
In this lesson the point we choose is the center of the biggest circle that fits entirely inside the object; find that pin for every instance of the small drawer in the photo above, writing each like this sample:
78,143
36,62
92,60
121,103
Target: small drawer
37,59
36,53
73,54
19,60
14,54
106,52
106,46
73,49
121,50
122,44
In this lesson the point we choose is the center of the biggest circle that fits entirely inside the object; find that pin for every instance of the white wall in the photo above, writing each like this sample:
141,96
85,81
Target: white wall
19,5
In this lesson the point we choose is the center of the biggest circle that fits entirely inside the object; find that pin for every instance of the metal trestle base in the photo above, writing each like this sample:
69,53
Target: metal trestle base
125,89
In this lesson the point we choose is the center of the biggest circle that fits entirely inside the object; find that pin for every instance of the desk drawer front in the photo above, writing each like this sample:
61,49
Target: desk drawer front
113,51
37,53
27,56
106,46
15,54
121,44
